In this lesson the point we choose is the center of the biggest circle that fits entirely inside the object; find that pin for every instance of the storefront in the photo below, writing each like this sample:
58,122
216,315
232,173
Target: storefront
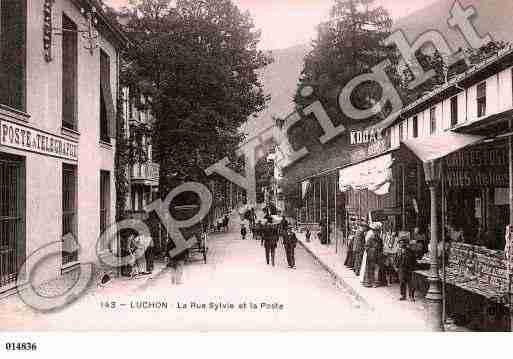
467,182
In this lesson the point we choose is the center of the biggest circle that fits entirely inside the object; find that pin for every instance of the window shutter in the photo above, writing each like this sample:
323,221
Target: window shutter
106,92
12,54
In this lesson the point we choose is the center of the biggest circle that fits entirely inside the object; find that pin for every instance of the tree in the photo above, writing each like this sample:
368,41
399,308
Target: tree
348,45
198,61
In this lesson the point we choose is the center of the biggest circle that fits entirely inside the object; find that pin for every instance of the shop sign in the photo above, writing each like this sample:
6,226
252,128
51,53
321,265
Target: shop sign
489,178
360,137
373,148
29,139
481,167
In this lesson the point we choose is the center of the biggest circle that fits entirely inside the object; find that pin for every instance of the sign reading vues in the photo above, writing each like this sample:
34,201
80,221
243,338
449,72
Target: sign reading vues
29,139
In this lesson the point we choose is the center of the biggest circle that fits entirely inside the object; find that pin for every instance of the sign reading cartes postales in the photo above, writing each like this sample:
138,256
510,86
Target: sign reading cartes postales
29,139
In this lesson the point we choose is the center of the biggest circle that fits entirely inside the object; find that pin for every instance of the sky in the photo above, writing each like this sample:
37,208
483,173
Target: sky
287,23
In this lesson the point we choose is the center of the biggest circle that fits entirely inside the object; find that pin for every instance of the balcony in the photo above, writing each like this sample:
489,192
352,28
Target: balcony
145,173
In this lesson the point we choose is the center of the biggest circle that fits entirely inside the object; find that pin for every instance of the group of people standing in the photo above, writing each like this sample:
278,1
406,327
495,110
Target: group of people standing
269,234
365,256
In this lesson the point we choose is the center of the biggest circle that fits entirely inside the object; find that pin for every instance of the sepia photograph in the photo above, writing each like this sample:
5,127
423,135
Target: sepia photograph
286,166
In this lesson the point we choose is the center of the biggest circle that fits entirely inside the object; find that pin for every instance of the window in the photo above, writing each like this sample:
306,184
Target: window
104,202
401,132
69,73
12,53
12,217
69,214
454,111
107,113
432,120
415,127
481,99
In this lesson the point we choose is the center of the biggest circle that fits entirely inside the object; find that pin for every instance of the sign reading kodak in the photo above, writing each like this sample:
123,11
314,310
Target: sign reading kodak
29,139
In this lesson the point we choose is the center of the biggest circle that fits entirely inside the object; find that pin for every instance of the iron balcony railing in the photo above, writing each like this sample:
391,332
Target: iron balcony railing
148,171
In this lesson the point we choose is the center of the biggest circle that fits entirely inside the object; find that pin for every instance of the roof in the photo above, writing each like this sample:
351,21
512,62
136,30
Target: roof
431,148
455,82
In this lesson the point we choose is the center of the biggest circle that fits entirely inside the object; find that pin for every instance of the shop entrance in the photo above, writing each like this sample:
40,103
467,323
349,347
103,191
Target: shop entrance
12,217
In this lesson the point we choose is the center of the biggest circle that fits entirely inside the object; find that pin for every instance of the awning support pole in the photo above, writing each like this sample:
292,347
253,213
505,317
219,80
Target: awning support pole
403,196
336,228
328,208
510,274
434,295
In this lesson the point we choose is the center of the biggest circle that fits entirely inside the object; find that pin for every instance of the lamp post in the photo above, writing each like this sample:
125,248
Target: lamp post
434,294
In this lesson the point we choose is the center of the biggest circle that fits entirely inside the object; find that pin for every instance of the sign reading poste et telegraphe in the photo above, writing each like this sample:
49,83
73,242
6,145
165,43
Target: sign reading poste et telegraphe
29,139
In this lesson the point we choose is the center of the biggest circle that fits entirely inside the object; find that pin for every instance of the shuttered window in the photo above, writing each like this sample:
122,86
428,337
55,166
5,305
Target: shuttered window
107,111
12,218
481,99
454,111
12,53
104,202
432,120
69,73
415,127
69,214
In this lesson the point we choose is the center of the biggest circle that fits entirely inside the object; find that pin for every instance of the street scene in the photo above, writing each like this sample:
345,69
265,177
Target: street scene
235,273
233,165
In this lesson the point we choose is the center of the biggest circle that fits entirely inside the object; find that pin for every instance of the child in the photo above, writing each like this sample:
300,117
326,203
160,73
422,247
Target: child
406,261
243,232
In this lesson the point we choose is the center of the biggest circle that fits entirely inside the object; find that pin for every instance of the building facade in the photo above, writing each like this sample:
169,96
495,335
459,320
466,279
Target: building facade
58,127
144,173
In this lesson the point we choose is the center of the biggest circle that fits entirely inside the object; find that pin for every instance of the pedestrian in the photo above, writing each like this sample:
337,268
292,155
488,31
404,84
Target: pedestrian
380,257
257,233
371,251
243,232
359,247
176,264
289,242
270,240
149,254
405,263
322,233
308,234
349,262
226,221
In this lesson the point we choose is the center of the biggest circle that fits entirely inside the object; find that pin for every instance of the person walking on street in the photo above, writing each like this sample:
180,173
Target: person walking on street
270,241
307,235
257,234
176,264
405,263
243,232
289,242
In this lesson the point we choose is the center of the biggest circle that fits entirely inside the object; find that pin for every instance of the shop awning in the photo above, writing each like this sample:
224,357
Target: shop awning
373,175
432,148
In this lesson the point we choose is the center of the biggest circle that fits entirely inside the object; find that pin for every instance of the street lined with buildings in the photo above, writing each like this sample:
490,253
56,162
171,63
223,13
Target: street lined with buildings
236,273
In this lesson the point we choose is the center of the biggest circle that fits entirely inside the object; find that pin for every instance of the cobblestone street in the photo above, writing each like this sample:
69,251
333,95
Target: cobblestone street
236,273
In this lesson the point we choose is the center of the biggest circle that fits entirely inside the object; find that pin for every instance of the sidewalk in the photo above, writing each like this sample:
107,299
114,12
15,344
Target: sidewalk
383,300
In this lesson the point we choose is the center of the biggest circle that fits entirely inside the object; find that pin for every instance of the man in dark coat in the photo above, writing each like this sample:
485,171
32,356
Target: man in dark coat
289,242
405,263
270,235
359,247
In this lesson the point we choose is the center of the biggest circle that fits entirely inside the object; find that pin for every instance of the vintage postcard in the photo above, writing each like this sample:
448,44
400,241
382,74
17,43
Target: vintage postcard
255,165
